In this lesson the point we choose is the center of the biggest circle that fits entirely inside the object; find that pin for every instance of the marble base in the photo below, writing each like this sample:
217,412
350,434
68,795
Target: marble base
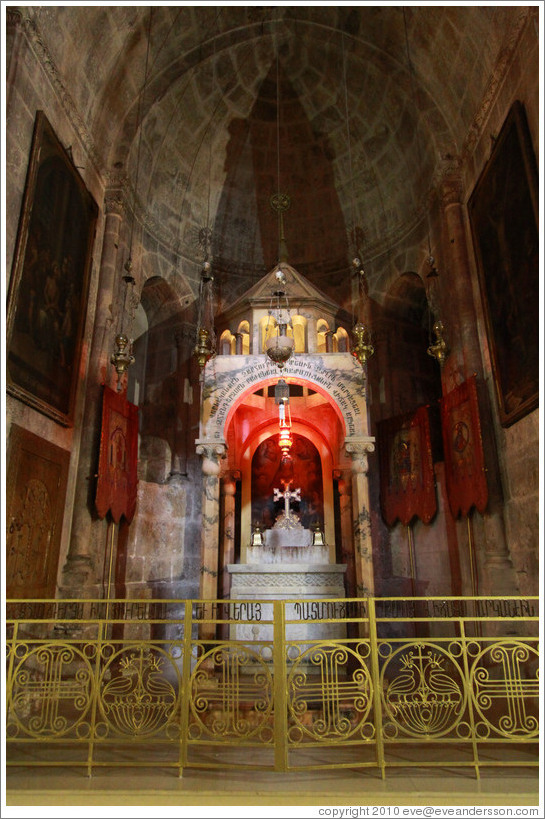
301,555
287,538
305,583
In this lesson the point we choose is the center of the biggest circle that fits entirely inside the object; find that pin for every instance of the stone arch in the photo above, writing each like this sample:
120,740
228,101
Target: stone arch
158,351
414,377
220,428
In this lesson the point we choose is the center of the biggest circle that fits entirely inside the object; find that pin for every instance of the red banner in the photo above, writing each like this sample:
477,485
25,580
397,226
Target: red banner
407,482
463,444
117,467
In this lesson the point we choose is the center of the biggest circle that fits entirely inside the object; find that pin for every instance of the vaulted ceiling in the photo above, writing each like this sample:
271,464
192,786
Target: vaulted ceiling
352,111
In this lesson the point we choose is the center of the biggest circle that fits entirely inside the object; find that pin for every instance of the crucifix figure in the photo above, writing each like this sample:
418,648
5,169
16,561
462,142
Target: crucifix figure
287,495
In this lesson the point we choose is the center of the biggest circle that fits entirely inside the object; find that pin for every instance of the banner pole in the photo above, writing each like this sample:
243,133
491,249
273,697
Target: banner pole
472,566
112,529
473,569
412,559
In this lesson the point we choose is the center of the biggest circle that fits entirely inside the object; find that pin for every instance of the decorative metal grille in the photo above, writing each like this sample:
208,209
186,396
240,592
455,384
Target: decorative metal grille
120,682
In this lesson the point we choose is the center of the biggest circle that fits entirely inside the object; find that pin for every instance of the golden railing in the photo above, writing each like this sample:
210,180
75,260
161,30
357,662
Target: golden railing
273,685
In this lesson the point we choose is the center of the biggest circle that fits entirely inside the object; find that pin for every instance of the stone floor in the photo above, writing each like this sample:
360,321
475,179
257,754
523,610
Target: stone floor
130,787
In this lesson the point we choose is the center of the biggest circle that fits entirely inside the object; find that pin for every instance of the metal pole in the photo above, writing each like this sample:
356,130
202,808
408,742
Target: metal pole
473,569
472,564
112,529
412,559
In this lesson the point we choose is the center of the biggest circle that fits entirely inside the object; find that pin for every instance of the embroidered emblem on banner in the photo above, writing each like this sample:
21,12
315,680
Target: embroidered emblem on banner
464,456
407,483
117,469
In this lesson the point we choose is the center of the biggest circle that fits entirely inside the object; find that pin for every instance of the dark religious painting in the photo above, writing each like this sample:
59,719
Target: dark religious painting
407,481
503,210
117,484
47,301
37,473
465,471
303,469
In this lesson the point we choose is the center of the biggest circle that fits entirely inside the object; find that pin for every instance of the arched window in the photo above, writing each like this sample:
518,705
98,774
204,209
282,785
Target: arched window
244,337
227,343
340,340
267,328
322,329
299,324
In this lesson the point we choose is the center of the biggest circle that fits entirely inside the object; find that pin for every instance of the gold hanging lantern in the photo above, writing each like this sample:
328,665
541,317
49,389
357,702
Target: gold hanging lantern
205,346
122,357
438,348
362,349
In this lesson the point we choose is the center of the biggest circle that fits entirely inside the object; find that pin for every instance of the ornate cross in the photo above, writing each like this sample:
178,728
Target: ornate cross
287,495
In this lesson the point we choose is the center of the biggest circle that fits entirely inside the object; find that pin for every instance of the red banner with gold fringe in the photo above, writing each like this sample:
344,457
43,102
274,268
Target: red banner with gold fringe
118,461
407,482
463,446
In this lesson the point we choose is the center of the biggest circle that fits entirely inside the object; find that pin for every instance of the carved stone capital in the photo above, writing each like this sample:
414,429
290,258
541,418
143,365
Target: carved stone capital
359,446
114,201
183,335
451,189
358,449
211,452
14,17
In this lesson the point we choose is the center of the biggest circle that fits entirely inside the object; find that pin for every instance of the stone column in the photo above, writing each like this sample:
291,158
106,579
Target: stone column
361,517
229,488
329,341
347,544
238,343
89,536
183,338
211,453
465,357
464,360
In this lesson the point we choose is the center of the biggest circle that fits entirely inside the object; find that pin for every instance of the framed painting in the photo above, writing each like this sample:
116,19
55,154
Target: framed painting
503,211
47,298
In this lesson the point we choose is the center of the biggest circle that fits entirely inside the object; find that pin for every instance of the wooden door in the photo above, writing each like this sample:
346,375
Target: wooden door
37,473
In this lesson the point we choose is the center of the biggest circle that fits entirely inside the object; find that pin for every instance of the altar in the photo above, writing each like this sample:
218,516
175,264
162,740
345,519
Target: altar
287,562
268,419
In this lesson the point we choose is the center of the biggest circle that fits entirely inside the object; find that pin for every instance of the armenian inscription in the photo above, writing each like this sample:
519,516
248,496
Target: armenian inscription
339,377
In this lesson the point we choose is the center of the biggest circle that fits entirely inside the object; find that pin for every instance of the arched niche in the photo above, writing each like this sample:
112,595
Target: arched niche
308,436
268,328
341,342
413,377
243,333
322,329
299,324
302,470
153,378
227,343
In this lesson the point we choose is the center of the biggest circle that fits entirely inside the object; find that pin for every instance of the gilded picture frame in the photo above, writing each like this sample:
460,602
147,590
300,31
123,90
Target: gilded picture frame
48,293
503,213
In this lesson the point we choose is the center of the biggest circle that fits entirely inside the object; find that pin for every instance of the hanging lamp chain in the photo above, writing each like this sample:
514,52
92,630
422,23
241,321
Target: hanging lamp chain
438,347
122,357
362,348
